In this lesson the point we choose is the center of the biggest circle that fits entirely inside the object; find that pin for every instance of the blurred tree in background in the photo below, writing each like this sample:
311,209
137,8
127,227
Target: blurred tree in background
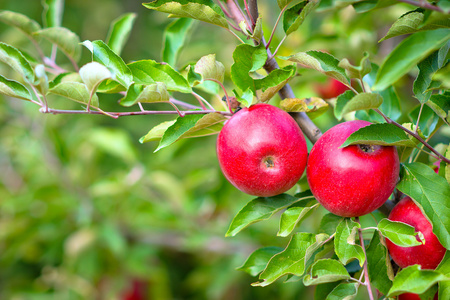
88,212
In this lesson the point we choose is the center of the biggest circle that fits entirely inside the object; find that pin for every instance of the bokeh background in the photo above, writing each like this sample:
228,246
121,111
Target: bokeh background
87,212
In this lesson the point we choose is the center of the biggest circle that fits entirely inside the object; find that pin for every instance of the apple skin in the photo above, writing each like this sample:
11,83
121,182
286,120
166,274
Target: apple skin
411,296
331,89
262,150
350,181
428,255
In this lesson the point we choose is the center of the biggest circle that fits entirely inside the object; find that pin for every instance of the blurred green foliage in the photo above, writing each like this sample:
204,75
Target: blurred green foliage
86,210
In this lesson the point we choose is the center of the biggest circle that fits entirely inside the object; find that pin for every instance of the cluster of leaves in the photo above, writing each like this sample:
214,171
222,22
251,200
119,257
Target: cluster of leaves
337,256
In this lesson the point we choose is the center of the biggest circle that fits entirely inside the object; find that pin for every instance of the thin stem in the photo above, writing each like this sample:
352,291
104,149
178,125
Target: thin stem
43,101
233,33
140,106
423,4
54,51
275,27
222,7
363,87
226,94
184,104
358,281
369,228
418,117
180,113
51,63
414,134
131,113
366,270
249,14
278,47
201,100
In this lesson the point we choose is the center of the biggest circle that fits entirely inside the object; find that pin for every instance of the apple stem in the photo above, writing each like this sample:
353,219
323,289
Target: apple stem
366,270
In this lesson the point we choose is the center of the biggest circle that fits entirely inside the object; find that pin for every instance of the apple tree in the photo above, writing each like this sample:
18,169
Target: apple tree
318,63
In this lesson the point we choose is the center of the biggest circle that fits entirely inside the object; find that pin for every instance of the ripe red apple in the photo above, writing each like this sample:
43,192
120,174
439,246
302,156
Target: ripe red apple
262,151
428,255
331,89
137,290
351,181
411,296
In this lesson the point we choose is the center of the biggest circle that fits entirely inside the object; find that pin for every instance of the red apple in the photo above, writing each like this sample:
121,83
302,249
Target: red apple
411,296
331,89
351,181
137,291
428,255
262,151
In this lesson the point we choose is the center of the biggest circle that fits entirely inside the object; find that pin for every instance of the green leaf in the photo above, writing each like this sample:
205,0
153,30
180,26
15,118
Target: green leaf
14,89
406,24
104,55
155,92
247,98
344,242
292,260
408,54
53,12
347,102
74,91
209,68
247,59
432,192
313,107
94,73
203,10
391,102
149,71
193,125
174,132
275,81
257,261
294,214
428,119
379,264
414,280
262,208
68,76
325,270
258,31
294,16
368,5
399,233
208,125
360,71
156,133
440,104
283,3
66,40
322,62
379,134
444,268
427,68
119,32
15,59
329,223
344,291
20,21
175,36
